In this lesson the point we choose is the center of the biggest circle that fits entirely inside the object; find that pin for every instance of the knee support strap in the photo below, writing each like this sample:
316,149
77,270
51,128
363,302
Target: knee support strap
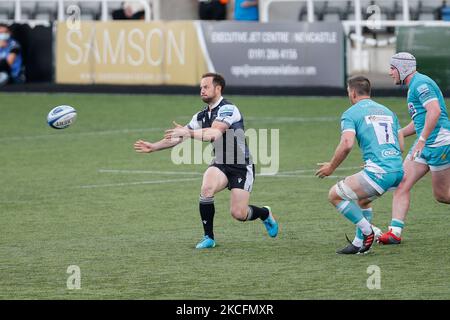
345,192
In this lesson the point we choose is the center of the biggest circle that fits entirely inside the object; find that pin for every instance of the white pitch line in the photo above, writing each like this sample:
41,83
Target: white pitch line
149,171
292,119
292,176
124,184
279,174
314,170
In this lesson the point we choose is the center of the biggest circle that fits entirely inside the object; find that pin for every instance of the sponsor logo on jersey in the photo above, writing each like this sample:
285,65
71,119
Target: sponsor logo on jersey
226,111
390,153
411,109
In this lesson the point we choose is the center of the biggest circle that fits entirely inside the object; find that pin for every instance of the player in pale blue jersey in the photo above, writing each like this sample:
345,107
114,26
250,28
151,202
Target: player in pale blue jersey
376,128
430,151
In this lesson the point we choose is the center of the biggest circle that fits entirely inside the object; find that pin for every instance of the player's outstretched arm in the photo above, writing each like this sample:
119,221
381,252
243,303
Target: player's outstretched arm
342,151
142,146
211,134
206,134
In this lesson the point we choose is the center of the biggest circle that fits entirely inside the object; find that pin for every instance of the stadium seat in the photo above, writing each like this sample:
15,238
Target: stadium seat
44,16
430,9
413,9
318,11
24,16
46,9
90,10
348,11
334,10
6,10
28,9
332,17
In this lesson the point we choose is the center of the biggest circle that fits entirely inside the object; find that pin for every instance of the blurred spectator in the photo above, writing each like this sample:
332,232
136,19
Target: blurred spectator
444,12
212,9
246,10
10,58
131,10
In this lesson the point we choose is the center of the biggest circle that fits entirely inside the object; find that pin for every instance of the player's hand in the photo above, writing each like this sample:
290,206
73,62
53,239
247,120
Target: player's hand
142,146
177,132
418,148
324,170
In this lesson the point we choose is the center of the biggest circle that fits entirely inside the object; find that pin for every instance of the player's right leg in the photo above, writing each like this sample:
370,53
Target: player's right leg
439,162
214,180
413,172
441,185
241,179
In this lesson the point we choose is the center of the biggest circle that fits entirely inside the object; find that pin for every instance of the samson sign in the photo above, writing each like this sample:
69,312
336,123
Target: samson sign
276,54
128,53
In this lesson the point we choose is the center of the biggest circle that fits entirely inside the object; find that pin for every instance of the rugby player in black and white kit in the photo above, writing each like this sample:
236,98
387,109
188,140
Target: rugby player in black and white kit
220,123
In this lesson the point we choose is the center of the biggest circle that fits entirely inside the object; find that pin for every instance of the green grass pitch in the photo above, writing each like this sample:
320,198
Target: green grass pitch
82,196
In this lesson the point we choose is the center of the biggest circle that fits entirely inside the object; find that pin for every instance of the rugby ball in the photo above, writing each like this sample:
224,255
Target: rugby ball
61,117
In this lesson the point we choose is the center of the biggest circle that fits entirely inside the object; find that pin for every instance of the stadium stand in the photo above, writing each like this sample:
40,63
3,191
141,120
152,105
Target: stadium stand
47,10
365,52
331,10
344,10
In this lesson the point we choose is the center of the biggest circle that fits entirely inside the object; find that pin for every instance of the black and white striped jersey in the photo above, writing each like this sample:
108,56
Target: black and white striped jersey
232,147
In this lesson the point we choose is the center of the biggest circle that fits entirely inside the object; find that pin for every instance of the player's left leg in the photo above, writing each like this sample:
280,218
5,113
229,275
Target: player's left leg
242,211
414,170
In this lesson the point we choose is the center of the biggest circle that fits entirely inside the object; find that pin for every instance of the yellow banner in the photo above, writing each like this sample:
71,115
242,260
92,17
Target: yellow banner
129,52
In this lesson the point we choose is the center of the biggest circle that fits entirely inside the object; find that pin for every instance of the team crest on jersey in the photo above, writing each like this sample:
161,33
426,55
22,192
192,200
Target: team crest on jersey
412,110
